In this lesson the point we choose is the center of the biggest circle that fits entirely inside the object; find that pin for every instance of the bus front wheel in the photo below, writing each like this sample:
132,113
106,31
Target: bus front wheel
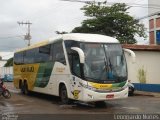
100,104
63,95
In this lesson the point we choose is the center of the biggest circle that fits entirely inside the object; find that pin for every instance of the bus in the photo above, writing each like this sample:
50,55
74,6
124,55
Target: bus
76,66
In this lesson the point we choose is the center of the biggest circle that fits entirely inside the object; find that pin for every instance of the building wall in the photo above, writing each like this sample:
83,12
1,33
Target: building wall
149,61
154,21
2,63
154,27
5,70
158,22
151,37
151,24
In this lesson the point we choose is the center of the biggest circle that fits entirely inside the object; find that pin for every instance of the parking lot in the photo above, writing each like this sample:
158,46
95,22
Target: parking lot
45,104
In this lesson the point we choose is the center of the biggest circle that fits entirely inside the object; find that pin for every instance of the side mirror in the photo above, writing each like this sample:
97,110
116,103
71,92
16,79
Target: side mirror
131,53
80,53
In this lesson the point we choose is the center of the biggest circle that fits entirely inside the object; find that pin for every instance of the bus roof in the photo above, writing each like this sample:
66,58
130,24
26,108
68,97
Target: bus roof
82,37
45,42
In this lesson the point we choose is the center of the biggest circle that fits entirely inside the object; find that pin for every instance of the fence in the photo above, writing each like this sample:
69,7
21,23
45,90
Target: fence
6,70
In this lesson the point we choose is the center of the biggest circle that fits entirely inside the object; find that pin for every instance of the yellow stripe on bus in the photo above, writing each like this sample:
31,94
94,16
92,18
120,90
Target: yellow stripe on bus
100,86
45,42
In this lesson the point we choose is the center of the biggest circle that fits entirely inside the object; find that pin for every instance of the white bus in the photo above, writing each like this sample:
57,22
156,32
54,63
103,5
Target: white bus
83,67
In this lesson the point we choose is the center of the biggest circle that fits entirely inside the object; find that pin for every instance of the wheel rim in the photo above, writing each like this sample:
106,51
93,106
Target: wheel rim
6,94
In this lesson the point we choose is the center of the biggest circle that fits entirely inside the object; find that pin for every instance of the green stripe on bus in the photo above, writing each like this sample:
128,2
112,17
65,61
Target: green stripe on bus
119,84
44,74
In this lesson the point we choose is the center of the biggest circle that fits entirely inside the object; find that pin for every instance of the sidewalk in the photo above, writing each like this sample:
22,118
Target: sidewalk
145,93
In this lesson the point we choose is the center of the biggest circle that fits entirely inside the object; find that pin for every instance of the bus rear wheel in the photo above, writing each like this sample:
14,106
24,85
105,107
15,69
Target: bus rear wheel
63,95
21,86
24,88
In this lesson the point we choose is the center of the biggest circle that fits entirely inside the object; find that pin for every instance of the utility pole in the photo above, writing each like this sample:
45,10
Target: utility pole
28,35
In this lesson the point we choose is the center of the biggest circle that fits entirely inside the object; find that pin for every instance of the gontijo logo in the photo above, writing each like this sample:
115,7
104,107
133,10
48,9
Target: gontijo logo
27,69
100,86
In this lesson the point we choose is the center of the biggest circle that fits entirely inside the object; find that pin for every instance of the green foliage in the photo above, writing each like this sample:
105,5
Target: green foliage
112,21
9,62
142,75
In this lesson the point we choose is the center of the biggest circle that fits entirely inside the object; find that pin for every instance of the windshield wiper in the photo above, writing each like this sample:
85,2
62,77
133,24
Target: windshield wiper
108,66
106,63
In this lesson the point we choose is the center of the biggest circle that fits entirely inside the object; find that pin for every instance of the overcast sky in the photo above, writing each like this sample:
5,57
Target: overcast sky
47,17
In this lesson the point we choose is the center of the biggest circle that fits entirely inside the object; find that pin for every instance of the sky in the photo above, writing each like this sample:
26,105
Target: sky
46,16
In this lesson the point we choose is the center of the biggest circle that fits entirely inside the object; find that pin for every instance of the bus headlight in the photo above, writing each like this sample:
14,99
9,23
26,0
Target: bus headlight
91,88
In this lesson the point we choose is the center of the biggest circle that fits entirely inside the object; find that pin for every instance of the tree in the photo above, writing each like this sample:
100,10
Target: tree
9,62
112,21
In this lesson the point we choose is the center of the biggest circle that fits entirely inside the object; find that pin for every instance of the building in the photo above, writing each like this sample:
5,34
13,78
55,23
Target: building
4,70
154,22
144,73
2,62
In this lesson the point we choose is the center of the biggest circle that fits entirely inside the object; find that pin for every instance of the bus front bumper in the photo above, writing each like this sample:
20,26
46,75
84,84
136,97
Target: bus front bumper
92,96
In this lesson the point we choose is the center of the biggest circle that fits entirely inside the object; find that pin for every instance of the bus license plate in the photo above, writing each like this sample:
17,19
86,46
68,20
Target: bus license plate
110,96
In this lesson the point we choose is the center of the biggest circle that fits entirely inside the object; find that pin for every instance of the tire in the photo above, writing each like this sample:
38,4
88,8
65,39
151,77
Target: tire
25,90
131,92
100,104
21,86
6,94
64,95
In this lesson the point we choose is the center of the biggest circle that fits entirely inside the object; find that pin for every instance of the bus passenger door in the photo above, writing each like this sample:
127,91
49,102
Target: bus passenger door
76,89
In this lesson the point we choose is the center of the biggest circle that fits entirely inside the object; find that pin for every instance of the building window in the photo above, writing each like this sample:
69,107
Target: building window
158,37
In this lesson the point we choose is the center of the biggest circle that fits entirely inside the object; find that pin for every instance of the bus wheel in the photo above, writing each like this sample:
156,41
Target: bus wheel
100,104
21,86
26,91
63,95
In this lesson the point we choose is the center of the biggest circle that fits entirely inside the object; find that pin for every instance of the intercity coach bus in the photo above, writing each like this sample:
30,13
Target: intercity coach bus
83,67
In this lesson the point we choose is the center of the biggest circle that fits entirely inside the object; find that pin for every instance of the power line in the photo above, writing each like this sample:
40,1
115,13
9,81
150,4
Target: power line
138,1
139,5
11,37
154,6
156,13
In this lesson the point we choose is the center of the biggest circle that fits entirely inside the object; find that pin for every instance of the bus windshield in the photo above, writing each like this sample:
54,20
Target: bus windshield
104,62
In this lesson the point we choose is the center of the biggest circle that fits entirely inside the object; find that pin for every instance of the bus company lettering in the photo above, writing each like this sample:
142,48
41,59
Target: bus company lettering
60,69
27,69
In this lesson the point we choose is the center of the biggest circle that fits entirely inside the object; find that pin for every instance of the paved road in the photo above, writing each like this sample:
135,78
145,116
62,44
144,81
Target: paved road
45,104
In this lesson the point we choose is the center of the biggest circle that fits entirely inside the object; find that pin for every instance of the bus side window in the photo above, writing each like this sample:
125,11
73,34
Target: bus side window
18,58
58,53
29,56
43,54
76,65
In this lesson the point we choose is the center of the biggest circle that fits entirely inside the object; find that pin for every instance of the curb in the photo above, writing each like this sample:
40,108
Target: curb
144,93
